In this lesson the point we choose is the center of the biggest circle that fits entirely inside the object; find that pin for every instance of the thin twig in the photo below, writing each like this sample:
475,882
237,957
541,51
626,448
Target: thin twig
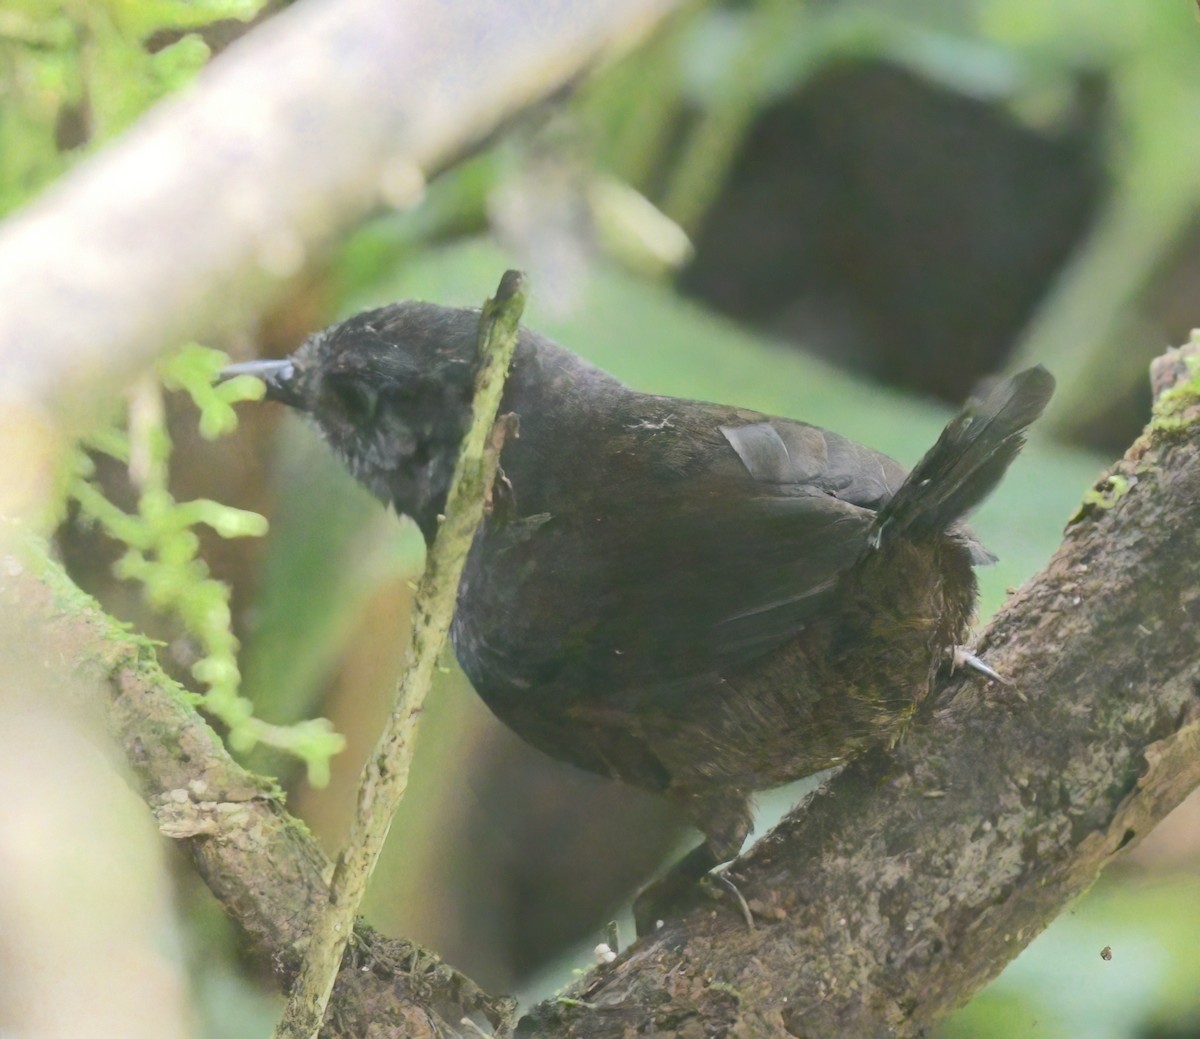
385,776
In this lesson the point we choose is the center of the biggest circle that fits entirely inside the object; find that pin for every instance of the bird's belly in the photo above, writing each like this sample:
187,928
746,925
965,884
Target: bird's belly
850,679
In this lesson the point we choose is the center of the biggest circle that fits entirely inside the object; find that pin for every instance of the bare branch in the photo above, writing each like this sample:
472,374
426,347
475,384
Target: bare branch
913,877
893,896
385,775
329,110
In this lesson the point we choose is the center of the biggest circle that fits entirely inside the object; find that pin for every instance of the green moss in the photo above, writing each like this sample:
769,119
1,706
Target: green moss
726,988
1111,491
109,60
1170,415
1104,496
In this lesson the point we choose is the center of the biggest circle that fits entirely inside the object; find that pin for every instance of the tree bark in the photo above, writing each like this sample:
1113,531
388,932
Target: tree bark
909,880
892,896
261,863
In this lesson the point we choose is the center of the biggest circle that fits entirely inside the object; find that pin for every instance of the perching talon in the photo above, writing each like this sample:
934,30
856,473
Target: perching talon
963,657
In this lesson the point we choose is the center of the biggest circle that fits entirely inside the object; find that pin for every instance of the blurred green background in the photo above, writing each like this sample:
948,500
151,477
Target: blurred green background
845,212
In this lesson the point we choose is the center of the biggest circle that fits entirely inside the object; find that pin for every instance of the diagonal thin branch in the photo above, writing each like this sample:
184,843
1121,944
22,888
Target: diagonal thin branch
385,775
894,895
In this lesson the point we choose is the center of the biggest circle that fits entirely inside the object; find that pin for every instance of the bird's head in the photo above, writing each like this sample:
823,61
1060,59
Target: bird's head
390,391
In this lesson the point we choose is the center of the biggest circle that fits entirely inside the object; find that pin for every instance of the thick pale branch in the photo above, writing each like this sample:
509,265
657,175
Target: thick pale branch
327,111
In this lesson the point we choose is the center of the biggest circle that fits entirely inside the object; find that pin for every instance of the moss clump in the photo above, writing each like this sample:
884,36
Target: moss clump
1172,408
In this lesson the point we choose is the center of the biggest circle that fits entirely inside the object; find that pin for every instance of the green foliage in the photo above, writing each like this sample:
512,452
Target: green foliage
1062,986
73,75
193,370
161,545
76,73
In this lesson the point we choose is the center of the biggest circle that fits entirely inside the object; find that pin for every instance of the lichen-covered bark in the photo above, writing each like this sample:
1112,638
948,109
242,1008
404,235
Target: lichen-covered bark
260,862
892,896
385,775
914,876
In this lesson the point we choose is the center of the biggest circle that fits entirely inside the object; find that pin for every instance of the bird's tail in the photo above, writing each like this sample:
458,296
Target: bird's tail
968,460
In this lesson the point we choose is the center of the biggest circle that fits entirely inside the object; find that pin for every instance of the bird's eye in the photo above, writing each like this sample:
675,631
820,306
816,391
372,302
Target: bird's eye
356,400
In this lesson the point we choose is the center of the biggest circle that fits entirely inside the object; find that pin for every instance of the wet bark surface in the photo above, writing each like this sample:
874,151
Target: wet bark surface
914,876
892,896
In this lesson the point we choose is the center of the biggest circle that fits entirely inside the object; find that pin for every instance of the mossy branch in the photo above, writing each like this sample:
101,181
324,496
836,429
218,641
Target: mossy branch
912,877
1093,741
260,862
385,775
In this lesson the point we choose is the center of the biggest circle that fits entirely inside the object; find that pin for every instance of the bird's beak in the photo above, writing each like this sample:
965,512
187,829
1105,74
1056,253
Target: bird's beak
279,376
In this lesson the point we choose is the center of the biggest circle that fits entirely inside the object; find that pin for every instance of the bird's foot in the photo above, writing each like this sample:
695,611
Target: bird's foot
722,878
666,895
963,657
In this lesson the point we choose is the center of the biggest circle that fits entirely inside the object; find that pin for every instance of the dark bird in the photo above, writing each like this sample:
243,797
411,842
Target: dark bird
694,598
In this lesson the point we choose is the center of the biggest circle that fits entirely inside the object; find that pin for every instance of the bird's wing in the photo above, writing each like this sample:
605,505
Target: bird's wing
733,559
802,521
794,455
701,539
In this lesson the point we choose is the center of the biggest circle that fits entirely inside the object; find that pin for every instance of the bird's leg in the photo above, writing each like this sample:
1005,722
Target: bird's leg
738,897
724,816
661,896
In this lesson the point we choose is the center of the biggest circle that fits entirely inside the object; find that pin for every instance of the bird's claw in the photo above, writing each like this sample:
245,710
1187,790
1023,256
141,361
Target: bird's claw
963,657
732,888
